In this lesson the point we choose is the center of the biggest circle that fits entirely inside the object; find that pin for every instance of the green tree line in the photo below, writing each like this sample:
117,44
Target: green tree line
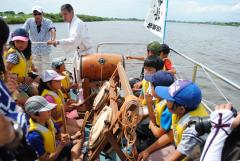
18,18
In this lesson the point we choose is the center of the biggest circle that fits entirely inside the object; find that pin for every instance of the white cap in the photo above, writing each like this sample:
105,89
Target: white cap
49,75
37,8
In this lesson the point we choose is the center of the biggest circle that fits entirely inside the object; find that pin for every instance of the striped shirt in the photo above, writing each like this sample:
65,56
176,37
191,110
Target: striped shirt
13,58
9,108
42,36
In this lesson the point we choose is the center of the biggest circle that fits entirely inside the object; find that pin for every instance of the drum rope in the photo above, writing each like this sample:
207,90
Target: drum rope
129,119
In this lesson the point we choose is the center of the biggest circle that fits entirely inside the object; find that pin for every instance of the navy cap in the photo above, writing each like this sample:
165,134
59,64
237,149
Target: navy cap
183,92
20,34
160,78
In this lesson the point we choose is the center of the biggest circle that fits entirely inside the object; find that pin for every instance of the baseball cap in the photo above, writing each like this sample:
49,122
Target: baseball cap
183,92
49,75
20,34
160,78
154,46
165,48
58,62
37,8
38,104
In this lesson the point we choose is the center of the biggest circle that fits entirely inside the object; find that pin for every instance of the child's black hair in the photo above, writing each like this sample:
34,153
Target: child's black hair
154,62
165,49
3,39
42,85
27,52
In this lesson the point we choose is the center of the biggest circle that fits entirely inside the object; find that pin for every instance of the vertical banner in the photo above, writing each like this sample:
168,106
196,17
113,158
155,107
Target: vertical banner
156,18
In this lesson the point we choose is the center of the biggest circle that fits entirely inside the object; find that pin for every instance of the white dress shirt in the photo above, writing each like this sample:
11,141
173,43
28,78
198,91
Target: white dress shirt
78,37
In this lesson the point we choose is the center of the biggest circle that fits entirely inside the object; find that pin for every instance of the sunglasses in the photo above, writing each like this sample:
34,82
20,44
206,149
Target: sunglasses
37,14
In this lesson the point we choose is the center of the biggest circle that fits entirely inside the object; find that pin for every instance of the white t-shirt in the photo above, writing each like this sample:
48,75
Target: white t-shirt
78,37
214,145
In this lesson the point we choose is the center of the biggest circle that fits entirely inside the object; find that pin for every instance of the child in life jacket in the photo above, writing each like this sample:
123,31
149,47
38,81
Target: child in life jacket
42,133
184,102
50,89
19,62
59,66
160,119
153,48
151,65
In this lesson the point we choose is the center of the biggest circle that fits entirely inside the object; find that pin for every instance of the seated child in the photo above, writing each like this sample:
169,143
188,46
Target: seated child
59,66
50,89
184,102
160,117
19,62
168,65
151,65
152,49
42,133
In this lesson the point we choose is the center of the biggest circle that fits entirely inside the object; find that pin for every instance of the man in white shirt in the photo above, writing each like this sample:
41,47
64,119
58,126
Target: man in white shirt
78,40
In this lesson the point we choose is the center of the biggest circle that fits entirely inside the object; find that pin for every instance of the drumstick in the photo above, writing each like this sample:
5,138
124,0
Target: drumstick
64,120
75,75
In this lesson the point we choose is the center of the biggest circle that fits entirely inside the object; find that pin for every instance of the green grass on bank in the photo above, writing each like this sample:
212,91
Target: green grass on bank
19,18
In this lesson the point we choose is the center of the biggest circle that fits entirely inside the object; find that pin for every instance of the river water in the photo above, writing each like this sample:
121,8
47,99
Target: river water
217,47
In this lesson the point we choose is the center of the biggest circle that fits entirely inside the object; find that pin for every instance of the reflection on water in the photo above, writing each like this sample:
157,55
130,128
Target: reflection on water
214,46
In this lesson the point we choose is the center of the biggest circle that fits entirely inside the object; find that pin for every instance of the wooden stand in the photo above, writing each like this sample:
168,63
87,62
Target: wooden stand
108,135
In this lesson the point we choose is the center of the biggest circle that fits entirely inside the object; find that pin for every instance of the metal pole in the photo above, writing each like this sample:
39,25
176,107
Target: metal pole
194,73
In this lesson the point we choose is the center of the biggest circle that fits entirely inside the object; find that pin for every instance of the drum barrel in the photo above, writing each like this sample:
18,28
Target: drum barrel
99,66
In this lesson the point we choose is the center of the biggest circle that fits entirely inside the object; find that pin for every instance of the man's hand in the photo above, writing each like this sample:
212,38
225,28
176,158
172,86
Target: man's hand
50,42
143,155
55,43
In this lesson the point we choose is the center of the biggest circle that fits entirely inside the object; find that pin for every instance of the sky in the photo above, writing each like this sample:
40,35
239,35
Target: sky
187,10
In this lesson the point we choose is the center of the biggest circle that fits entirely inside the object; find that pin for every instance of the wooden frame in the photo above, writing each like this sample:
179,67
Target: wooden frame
108,136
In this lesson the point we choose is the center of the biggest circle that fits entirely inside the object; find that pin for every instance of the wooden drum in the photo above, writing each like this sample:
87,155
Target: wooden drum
99,66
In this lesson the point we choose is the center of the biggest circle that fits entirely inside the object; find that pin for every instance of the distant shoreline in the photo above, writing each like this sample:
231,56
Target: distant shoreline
19,18
208,23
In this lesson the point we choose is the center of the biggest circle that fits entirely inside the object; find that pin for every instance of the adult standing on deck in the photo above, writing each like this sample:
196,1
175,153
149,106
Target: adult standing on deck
78,40
43,33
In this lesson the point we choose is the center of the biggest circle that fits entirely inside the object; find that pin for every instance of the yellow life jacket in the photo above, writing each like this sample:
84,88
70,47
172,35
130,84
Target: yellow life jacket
48,134
30,64
160,107
145,86
66,83
20,69
180,124
59,100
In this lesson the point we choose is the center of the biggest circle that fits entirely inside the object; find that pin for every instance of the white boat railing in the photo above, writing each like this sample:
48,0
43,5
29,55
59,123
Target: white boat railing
196,66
